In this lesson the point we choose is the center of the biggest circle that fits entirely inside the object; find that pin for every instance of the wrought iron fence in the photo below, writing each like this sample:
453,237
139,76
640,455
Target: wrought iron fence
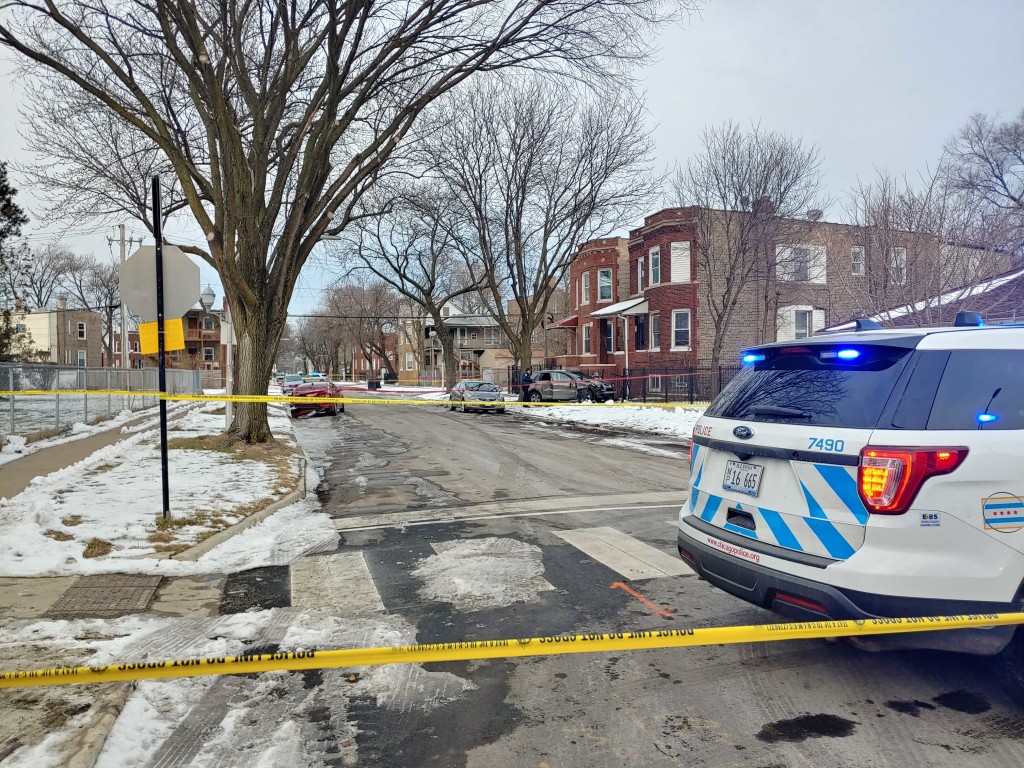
32,416
678,385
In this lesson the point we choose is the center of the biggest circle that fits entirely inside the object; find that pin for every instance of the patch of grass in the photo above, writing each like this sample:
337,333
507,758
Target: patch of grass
161,537
174,548
175,523
58,535
44,434
103,468
222,443
71,520
97,548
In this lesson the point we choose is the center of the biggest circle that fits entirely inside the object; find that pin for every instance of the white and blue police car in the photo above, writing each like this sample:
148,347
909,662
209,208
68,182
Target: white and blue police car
877,473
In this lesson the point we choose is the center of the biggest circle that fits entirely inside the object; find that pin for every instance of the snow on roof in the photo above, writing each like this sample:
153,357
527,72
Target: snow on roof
950,297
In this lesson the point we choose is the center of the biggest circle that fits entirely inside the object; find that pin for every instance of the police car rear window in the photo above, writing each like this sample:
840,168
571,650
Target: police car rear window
811,385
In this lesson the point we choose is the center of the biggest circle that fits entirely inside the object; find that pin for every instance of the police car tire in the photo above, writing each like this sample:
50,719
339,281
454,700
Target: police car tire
1011,659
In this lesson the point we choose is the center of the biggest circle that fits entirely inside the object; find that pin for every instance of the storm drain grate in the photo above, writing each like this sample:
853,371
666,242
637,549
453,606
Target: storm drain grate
105,597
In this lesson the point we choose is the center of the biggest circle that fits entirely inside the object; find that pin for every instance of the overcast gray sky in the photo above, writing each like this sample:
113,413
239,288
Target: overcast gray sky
876,84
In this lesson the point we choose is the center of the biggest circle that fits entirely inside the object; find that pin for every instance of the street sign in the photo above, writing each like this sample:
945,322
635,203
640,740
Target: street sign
137,276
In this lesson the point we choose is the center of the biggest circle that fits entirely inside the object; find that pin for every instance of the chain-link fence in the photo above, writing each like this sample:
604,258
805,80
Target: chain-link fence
34,416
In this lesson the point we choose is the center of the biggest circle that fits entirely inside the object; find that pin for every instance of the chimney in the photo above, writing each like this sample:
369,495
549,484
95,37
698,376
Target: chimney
62,302
17,303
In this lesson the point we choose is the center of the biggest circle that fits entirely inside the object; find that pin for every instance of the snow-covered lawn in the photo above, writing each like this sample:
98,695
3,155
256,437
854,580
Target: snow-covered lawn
113,499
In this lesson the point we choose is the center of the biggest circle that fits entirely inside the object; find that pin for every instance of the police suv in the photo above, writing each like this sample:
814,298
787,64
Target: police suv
878,473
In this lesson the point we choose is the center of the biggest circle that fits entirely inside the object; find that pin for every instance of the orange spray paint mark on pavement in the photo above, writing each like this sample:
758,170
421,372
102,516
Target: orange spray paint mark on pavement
663,612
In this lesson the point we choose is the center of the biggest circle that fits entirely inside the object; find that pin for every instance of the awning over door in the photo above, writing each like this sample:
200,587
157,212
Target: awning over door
628,307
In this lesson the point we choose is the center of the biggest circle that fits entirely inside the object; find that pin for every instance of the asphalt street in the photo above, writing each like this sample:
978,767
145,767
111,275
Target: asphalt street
555,518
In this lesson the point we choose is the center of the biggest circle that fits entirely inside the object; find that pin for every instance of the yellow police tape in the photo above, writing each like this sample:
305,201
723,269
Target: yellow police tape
364,400
495,649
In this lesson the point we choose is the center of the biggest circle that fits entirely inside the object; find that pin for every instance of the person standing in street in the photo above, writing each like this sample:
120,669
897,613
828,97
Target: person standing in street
524,384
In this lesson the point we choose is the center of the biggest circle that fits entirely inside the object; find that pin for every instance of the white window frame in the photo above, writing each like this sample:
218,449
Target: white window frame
585,292
808,331
898,265
640,274
816,263
654,383
857,260
117,346
601,285
654,321
408,361
208,354
586,339
81,331
679,258
689,330
83,359
786,321
135,346
654,258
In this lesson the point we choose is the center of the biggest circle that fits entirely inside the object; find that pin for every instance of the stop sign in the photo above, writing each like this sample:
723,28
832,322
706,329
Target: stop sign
137,276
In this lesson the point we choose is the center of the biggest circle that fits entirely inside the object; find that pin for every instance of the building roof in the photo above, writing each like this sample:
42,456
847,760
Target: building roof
1000,299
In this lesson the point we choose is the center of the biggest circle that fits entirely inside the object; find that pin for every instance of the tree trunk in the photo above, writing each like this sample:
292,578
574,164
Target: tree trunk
253,368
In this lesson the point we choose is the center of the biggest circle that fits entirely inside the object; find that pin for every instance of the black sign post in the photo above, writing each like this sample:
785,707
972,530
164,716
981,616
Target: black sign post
160,342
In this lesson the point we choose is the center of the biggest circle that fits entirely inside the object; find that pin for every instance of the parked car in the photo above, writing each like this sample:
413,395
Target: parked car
474,391
291,381
869,474
314,377
562,386
308,406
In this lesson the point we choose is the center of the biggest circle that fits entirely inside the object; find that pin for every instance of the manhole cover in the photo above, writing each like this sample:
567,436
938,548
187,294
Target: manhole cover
104,597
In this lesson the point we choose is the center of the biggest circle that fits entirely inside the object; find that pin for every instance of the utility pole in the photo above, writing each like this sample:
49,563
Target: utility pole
125,360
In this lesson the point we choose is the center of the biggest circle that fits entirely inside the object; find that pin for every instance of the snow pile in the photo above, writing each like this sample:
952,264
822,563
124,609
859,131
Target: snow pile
474,574
15,444
676,421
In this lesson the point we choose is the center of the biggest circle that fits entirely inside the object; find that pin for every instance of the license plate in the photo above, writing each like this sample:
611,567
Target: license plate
742,477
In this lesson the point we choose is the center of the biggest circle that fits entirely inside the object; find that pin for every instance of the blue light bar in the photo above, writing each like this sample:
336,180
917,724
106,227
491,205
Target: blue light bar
985,418
848,354
752,357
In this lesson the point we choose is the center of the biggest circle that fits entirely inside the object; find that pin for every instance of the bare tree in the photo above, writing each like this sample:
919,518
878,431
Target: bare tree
35,273
920,243
276,118
986,161
752,192
367,317
11,220
411,249
531,170
94,285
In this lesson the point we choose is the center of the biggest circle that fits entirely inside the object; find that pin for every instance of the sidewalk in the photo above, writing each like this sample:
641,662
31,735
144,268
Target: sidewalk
106,487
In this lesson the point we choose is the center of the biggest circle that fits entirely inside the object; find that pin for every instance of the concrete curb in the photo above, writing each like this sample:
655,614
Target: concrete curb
93,735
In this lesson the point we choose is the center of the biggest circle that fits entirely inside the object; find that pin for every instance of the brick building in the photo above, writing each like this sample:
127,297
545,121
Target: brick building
643,302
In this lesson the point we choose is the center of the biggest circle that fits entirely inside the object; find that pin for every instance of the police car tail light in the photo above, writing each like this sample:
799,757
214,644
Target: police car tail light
889,478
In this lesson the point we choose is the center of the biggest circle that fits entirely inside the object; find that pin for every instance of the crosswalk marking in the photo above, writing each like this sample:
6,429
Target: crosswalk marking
339,583
625,555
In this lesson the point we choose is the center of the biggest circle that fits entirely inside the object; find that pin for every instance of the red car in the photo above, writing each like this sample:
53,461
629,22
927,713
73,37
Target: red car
308,406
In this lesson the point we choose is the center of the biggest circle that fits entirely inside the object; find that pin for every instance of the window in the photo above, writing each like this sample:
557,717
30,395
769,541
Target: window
801,266
898,265
640,274
802,323
472,336
606,333
408,361
117,345
655,257
655,331
654,383
207,323
962,394
604,285
20,328
135,347
831,394
800,263
445,311
82,358
641,331
81,330
681,329
586,339
620,333
490,337
586,289
680,262
208,354
461,335
857,260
